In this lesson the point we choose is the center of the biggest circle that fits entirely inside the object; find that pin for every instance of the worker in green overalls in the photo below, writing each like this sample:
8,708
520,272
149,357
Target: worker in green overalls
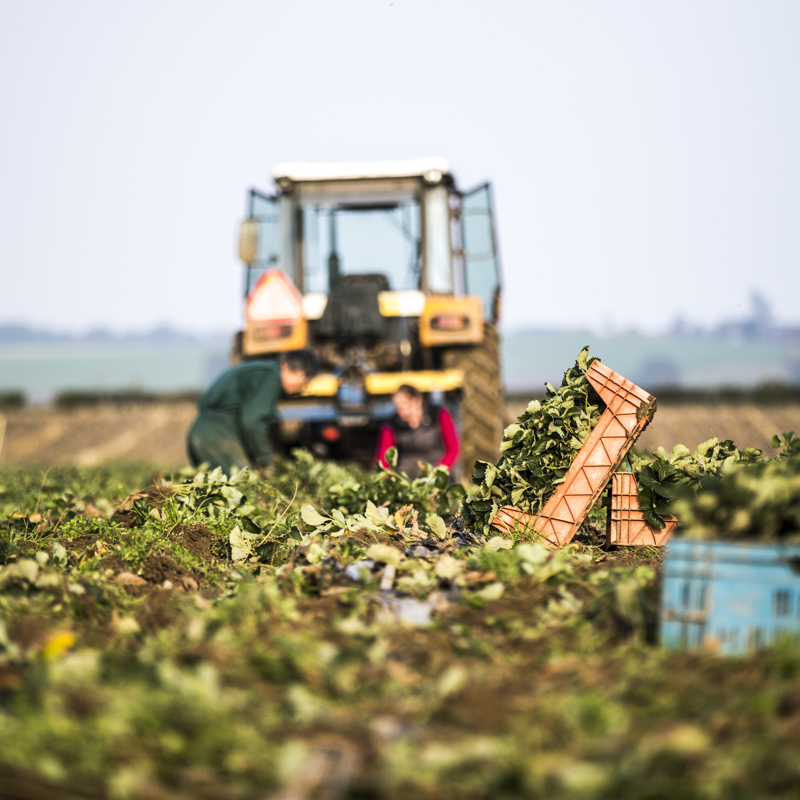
232,429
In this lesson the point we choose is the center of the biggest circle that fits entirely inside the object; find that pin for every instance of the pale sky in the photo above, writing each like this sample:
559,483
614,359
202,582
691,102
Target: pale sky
645,156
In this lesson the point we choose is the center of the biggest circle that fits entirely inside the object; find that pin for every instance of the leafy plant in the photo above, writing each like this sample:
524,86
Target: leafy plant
537,450
788,442
759,500
310,477
376,658
662,478
429,493
402,525
244,507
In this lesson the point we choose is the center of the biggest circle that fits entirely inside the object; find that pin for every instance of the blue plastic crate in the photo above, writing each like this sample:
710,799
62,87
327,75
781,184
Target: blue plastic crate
729,597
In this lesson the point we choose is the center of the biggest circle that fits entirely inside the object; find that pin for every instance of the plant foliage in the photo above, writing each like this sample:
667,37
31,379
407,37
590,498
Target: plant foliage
753,500
662,479
537,450
358,650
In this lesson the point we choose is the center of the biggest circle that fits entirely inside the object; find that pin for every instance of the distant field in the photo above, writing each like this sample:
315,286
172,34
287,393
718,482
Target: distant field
156,432
94,435
746,425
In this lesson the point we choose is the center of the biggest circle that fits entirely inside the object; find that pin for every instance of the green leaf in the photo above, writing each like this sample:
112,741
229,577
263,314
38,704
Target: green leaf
385,554
494,591
312,517
704,447
25,568
250,526
232,495
437,526
679,451
498,543
59,554
380,517
240,547
517,495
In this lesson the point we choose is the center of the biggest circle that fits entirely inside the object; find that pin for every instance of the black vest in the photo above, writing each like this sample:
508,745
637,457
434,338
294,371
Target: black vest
418,444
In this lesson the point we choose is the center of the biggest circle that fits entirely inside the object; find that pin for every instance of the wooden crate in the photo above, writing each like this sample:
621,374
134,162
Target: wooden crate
629,409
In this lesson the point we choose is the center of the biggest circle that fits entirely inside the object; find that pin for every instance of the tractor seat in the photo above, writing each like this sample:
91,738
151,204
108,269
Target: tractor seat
352,314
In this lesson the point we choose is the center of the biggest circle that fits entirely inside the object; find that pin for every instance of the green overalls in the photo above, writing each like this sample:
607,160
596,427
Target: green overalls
235,414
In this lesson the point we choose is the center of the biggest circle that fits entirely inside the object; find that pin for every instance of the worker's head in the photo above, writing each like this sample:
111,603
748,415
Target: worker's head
297,368
408,404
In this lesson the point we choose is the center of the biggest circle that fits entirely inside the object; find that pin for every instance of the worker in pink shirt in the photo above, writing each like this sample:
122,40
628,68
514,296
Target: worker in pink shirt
419,431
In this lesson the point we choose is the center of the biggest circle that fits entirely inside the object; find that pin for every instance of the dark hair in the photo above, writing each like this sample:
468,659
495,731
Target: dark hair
305,360
409,390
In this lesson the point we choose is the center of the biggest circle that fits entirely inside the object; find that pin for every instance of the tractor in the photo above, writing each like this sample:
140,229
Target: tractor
391,274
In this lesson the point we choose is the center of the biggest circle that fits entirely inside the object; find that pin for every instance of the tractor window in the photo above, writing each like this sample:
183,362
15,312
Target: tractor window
356,240
481,264
439,266
264,210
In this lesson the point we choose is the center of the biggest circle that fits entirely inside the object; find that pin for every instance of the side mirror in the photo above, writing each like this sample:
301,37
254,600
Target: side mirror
248,241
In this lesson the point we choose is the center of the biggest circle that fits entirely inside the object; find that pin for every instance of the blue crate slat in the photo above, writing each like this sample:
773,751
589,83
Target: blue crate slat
729,596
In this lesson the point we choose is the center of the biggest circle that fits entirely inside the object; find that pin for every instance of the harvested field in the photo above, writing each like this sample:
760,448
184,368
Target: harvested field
98,434
746,425
156,432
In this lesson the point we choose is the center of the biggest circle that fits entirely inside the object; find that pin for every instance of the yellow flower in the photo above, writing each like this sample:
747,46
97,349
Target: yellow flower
58,644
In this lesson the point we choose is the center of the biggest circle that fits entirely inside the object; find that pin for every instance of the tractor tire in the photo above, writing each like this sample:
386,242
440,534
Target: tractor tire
482,407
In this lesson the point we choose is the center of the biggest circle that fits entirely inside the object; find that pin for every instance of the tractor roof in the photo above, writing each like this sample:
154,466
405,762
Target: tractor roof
429,168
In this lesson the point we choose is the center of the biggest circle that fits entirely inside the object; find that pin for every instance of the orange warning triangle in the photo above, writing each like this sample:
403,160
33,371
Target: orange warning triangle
274,298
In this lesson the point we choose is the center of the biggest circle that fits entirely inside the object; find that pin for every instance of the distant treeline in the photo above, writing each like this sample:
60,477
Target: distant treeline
11,400
78,398
23,334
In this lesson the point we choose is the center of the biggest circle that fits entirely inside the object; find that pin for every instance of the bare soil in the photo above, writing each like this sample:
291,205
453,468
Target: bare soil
197,538
91,436
157,432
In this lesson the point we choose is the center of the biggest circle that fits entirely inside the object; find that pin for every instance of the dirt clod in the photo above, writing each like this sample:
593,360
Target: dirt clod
157,569
197,538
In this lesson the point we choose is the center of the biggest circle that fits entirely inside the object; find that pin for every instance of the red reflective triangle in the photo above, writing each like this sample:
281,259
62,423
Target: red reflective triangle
274,299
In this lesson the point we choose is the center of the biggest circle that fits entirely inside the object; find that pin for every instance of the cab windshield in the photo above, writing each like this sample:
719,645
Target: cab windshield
354,239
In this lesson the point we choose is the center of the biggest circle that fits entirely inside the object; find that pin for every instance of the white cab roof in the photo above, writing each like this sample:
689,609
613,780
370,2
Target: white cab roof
430,168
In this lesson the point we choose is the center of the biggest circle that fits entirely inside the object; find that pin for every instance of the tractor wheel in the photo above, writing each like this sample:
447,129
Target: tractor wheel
482,407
